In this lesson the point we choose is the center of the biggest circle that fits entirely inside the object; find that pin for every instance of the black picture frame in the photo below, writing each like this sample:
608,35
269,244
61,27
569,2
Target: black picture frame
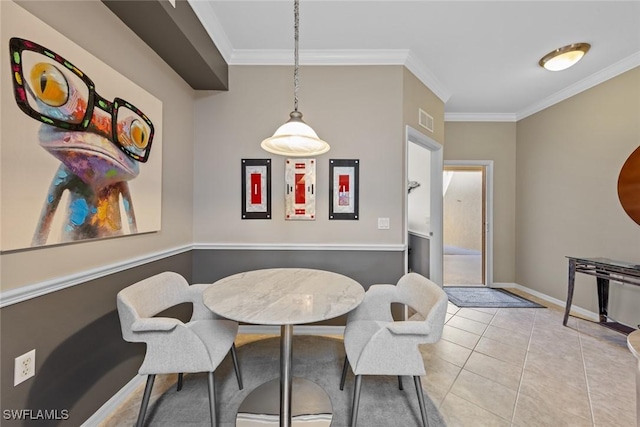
344,174
252,171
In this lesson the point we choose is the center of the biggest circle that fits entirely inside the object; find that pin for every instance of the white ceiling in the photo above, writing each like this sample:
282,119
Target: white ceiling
479,57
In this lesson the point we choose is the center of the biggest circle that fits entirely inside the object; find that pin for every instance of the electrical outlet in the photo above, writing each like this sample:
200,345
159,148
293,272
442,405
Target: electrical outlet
25,367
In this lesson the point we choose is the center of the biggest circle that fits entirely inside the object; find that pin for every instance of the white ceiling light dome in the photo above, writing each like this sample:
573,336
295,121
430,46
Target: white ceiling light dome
295,138
564,57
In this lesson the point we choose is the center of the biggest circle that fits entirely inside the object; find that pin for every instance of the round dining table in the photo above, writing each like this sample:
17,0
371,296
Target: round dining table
284,297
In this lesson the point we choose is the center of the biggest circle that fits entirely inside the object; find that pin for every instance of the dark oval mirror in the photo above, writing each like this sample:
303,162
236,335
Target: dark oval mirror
629,186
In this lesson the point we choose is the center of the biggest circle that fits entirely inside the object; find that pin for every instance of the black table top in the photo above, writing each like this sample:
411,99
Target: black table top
607,262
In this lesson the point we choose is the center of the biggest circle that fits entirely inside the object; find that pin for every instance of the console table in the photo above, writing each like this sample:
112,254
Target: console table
604,269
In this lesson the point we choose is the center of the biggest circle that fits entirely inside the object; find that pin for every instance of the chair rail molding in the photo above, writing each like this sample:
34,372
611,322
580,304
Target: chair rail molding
24,293
27,292
300,246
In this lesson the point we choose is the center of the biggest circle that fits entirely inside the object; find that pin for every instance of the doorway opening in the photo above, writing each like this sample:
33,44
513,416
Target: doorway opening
467,243
423,203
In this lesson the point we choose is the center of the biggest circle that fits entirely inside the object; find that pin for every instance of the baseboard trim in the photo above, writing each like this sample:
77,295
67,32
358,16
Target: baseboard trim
116,400
574,308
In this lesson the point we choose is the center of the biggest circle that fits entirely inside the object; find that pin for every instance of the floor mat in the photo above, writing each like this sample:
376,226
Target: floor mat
482,297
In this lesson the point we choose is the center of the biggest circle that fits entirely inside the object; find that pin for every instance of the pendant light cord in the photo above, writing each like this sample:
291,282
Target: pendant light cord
296,81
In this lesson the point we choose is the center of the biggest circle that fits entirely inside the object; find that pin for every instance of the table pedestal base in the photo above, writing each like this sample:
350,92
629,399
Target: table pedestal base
310,405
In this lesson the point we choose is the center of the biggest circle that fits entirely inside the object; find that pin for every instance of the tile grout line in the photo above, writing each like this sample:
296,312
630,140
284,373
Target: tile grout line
474,350
524,363
462,368
483,336
586,377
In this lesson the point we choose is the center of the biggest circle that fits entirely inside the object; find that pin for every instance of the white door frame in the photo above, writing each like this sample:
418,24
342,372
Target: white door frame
436,235
488,226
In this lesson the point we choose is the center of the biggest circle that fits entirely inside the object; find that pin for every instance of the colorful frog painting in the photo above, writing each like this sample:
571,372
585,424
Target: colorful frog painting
99,144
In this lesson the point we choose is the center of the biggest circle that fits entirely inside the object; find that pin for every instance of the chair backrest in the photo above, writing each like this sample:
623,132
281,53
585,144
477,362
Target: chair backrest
428,300
149,297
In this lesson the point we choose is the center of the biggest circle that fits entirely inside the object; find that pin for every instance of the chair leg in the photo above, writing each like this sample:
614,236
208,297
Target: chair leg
423,410
212,398
180,381
344,372
356,400
145,399
400,386
236,366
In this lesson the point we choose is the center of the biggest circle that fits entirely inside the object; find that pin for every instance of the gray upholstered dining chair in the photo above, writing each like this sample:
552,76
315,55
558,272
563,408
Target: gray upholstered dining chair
375,344
173,346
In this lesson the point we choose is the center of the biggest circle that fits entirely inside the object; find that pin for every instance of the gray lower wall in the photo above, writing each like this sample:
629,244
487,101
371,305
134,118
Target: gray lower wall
81,358
419,254
366,267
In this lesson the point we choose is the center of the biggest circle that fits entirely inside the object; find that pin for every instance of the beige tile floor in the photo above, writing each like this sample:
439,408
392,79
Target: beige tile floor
521,367
511,367
462,269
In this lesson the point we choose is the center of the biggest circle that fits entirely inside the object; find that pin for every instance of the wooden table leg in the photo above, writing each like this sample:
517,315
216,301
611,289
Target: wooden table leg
572,282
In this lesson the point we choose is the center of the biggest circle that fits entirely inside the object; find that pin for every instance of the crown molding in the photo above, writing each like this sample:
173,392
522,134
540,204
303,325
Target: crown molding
608,73
211,23
347,57
480,117
422,72
204,11
319,57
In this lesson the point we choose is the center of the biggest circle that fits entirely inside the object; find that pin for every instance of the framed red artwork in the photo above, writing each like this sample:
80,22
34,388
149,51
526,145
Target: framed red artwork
343,189
300,194
256,188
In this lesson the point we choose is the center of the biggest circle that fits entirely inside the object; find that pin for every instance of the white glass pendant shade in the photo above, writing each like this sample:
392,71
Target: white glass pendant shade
295,138
564,57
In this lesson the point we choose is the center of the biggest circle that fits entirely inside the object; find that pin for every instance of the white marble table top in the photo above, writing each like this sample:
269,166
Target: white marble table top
283,296
633,341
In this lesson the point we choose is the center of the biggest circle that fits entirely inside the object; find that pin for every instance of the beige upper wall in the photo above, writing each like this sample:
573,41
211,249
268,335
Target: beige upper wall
415,96
95,28
568,160
492,141
358,110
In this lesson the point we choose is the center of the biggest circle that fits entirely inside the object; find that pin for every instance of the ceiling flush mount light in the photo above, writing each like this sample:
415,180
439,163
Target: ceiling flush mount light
295,138
564,57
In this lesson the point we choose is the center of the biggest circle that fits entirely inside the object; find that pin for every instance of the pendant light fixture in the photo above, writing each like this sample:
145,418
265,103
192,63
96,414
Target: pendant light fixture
295,138
564,57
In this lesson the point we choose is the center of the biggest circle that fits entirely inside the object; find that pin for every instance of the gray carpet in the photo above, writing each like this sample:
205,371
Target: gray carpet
319,359
482,297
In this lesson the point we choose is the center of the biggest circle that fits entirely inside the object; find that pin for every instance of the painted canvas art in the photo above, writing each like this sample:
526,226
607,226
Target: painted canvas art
77,159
